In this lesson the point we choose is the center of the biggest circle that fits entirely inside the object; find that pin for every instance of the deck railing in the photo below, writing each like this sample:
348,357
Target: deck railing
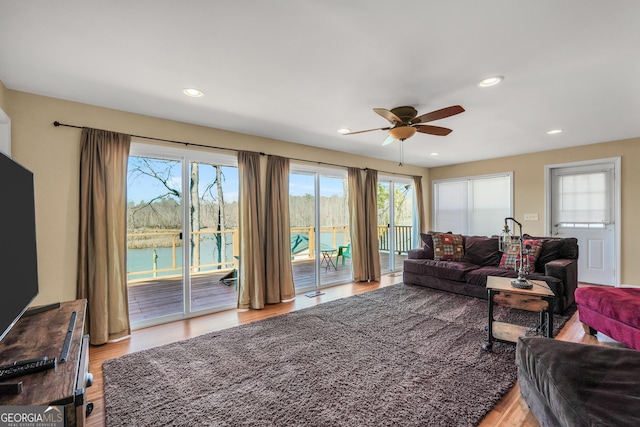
333,236
404,238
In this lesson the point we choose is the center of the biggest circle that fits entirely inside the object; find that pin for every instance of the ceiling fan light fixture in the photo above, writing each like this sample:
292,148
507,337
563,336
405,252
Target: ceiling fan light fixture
344,130
402,132
491,81
192,92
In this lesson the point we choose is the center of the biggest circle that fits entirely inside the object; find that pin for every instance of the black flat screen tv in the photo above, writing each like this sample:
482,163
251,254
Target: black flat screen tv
18,255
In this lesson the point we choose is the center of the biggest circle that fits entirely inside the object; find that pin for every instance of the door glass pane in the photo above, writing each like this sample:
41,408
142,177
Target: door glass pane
335,265
154,247
302,213
403,220
214,235
384,222
583,197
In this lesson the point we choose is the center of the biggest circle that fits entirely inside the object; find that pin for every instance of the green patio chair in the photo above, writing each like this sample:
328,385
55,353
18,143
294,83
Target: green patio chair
344,252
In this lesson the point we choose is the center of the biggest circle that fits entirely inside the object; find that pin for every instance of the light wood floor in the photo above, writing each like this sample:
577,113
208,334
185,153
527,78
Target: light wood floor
510,411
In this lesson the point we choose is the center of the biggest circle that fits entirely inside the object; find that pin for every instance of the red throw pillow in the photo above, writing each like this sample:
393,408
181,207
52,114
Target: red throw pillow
448,247
530,251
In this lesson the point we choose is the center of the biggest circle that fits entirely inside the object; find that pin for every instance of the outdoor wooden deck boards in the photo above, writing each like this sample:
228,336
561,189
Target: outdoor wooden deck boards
161,296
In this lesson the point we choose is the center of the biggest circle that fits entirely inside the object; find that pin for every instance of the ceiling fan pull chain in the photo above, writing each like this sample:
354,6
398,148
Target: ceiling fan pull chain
401,153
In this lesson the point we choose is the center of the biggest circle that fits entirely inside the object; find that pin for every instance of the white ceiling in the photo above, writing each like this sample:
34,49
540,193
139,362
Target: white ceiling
298,70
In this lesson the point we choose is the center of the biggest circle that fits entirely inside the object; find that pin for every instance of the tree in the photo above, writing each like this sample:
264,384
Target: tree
195,214
163,209
222,241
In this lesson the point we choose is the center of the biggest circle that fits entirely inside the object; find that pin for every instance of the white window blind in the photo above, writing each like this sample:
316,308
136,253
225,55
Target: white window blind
583,197
472,205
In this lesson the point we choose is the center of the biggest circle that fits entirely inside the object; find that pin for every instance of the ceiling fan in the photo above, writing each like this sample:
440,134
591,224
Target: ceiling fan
405,123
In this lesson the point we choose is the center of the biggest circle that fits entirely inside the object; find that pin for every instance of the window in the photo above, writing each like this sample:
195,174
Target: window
474,205
583,196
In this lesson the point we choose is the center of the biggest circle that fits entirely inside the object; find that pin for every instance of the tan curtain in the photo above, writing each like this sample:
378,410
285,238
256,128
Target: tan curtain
102,243
371,224
279,273
251,272
422,223
357,226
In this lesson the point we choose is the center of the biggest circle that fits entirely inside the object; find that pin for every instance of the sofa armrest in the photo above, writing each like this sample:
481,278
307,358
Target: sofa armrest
567,271
418,253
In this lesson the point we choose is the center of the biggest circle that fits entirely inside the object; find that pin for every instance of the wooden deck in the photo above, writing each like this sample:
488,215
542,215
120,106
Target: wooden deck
163,296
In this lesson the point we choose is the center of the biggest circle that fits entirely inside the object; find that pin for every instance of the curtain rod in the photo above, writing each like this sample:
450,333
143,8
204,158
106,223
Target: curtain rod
58,124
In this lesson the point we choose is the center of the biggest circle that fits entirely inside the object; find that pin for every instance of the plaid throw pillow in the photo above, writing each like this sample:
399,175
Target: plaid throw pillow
448,247
511,257
530,251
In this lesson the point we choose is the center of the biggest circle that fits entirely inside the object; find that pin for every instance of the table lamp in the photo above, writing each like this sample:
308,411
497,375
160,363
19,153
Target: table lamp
508,241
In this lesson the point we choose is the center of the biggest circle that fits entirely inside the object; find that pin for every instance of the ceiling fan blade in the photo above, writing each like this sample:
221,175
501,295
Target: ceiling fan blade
439,114
368,130
433,130
392,118
389,140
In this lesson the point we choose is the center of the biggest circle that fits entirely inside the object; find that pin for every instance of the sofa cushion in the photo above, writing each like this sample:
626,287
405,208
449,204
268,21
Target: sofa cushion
569,248
481,250
419,253
450,270
580,384
428,244
448,247
551,249
479,276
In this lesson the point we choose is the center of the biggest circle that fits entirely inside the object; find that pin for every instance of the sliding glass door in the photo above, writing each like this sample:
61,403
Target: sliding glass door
319,212
154,237
397,221
170,195
213,243
302,211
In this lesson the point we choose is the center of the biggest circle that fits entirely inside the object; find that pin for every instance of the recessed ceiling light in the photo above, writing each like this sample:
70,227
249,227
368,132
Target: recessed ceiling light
491,81
554,131
344,130
194,93
434,154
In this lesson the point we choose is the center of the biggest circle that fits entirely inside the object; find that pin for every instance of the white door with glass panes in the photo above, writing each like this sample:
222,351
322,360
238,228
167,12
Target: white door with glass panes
583,205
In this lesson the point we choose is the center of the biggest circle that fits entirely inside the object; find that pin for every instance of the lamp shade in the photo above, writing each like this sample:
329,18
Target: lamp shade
402,132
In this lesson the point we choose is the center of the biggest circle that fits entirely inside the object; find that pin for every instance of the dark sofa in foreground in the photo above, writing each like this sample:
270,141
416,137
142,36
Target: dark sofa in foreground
572,384
464,270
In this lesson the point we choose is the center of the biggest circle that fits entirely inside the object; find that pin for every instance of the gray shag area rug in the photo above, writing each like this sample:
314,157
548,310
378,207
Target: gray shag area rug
400,355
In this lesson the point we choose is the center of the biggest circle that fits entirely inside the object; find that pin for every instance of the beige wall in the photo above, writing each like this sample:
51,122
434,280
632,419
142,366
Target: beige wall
3,97
53,155
528,172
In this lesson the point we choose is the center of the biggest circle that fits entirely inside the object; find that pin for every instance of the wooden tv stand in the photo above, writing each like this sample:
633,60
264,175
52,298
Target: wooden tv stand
43,334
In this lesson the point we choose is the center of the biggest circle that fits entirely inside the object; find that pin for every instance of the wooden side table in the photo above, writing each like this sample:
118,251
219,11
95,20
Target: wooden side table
538,299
